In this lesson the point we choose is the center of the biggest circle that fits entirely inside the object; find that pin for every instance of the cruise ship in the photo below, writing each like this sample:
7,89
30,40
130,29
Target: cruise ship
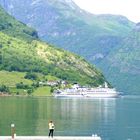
99,92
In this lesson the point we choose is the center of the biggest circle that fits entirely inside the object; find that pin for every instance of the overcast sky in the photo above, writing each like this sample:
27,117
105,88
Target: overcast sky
128,8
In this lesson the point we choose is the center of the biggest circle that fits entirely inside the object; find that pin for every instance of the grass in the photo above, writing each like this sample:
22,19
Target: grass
14,91
10,79
42,91
50,77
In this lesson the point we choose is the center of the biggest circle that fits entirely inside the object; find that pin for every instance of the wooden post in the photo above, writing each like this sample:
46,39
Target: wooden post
13,131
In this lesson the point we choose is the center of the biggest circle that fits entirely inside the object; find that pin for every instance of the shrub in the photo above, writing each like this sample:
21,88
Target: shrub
4,88
31,75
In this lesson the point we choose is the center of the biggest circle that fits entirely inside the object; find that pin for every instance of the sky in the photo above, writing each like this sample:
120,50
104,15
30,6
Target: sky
128,8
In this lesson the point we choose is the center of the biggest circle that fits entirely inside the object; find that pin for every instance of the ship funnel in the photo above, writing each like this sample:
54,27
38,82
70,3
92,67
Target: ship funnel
106,85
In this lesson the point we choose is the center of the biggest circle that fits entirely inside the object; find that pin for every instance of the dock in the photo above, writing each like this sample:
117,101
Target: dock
93,137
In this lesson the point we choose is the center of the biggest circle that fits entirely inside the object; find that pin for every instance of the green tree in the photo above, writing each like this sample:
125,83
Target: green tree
30,91
31,75
4,88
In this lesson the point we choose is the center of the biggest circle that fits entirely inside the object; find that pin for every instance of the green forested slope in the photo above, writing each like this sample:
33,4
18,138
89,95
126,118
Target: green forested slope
14,28
20,51
19,55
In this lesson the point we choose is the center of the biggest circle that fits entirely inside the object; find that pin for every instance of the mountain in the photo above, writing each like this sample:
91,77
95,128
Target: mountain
22,51
63,23
98,38
123,65
15,28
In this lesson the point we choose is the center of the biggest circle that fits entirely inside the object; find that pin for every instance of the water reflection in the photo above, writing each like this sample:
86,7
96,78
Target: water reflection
71,116
20,111
85,116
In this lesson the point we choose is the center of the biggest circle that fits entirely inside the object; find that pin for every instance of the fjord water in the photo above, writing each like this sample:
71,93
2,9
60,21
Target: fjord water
112,119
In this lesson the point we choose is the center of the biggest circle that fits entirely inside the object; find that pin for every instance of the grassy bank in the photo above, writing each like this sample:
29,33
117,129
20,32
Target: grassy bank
11,79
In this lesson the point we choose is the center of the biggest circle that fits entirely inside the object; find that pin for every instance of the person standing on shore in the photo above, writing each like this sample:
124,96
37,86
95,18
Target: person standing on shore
51,129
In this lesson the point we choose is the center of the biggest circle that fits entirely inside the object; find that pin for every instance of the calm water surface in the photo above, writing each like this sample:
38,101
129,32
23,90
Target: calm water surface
112,119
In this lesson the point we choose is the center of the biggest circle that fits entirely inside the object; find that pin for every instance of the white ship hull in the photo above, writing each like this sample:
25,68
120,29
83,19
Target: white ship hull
87,94
100,95
69,96
82,92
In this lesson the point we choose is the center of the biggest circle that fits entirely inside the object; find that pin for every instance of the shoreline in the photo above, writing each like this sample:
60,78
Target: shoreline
95,137
3,94
11,95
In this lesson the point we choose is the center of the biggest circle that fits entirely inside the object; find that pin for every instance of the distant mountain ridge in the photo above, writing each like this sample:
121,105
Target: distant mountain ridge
98,38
